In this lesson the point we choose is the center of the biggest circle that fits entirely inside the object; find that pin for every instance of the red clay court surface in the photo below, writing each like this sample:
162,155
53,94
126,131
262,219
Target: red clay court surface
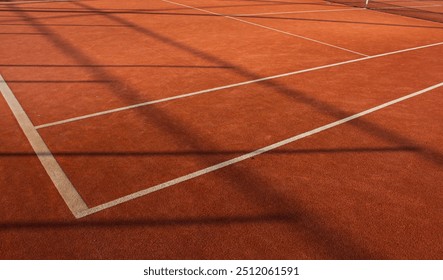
191,129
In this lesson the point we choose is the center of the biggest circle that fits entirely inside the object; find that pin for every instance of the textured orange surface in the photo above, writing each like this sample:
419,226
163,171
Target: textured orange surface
367,189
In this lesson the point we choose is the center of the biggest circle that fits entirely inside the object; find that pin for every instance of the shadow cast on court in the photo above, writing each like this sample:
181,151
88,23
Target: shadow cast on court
336,21
338,243
110,66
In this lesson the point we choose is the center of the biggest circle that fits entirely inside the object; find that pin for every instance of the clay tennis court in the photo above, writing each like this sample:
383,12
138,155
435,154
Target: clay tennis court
220,129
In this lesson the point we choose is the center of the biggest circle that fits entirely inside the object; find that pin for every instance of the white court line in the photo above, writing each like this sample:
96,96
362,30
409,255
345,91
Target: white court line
274,146
266,27
298,12
227,87
69,194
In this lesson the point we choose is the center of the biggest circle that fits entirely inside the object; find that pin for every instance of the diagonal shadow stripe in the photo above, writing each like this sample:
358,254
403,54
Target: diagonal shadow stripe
338,243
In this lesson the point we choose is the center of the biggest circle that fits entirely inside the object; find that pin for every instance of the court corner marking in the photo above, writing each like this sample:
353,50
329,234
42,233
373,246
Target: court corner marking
62,183
262,150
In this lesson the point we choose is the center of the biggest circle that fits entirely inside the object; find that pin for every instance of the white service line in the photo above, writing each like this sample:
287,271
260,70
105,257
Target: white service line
298,12
266,27
213,168
69,194
101,113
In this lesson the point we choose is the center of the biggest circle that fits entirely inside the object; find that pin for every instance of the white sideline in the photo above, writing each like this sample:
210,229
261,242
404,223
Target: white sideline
215,167
69,194
101,113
